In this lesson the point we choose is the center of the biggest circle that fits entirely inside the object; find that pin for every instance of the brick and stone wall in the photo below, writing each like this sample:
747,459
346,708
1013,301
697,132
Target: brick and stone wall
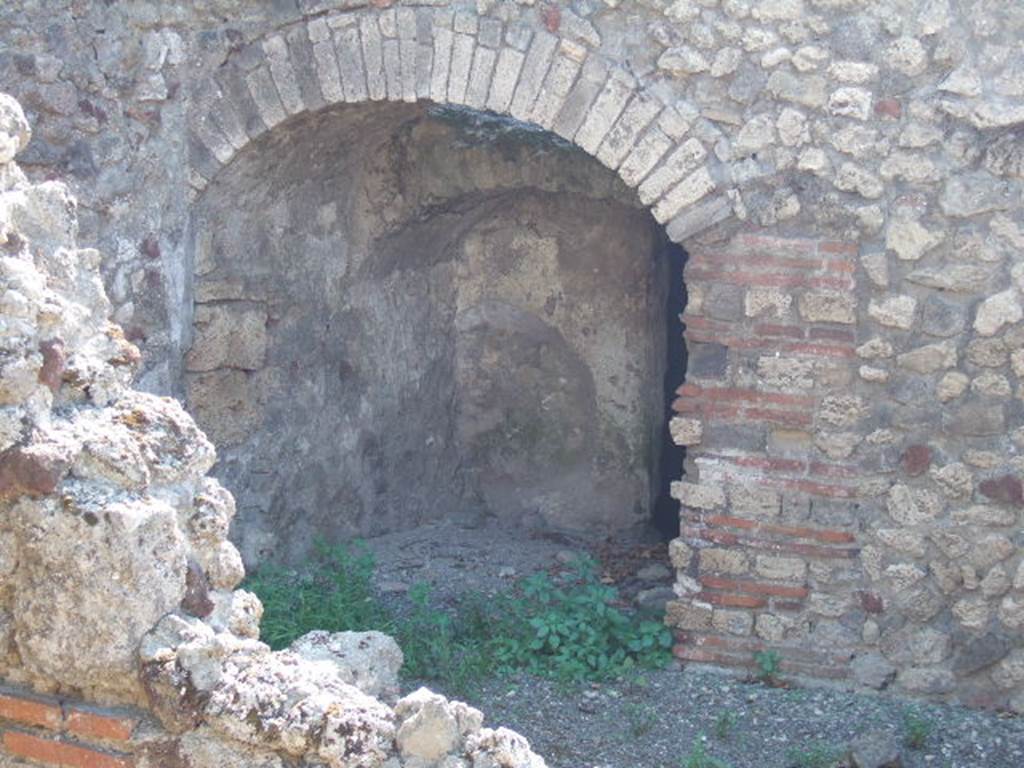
847,176
45,730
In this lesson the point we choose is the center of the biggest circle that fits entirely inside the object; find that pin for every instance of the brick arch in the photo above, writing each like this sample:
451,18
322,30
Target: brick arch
459,58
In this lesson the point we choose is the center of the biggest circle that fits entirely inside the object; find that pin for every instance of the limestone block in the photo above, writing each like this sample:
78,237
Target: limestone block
612,127
686,431
444,39
506,75
951,386
368,660
531,77
350,64
688,615
484,60
828,306
621,139
996,311
780,568
853,178
701,496
929,358
728,561
912,507
428,728
14,129
909,239
78,611
894,312
557,84
283,73
264,94
373,57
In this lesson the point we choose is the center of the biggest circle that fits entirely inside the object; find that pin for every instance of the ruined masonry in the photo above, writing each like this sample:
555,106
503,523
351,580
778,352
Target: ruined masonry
118,579
846,177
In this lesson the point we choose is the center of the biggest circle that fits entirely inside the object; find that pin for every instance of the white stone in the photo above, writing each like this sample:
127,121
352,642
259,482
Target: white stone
851,102
894,312
853,178
909,240
997,311
906,55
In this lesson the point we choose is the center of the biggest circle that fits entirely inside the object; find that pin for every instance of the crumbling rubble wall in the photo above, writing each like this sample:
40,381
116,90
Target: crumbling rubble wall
117,580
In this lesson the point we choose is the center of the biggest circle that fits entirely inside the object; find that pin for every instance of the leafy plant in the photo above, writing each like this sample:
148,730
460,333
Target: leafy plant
916,729
817,755
442,646
724,724
567,628
335,595
768,663
642,719
698,757
571,629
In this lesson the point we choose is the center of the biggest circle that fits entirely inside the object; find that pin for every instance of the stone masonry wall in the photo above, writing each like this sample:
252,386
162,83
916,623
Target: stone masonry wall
760,133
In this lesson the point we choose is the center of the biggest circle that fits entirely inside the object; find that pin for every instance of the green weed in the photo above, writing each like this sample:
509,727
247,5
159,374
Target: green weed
767,666
642,719
818,755
335,595
724,724
698,757
916,730
568,628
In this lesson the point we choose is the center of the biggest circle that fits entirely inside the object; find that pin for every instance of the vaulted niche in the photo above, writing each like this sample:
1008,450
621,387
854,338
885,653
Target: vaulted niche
403,314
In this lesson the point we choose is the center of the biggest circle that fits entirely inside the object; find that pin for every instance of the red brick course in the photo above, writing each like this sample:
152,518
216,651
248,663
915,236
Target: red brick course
61,753
57,732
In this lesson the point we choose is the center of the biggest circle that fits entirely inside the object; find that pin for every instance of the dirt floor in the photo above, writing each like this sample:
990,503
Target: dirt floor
669,718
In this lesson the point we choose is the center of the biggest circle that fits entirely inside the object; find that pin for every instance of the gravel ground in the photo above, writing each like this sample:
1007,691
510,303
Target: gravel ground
746,725
658,721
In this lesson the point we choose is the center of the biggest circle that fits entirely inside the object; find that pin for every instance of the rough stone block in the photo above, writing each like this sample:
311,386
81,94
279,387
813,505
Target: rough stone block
689,191
686,431
598,134
623,136
707,360
479,86
326,65
698,496
444,39
350,64
531,77
828,306
283,74
373,57
644,157
729,561
678,164
780,568
506,75
264,94
463,47
392,69
304,67
553,93
588,86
